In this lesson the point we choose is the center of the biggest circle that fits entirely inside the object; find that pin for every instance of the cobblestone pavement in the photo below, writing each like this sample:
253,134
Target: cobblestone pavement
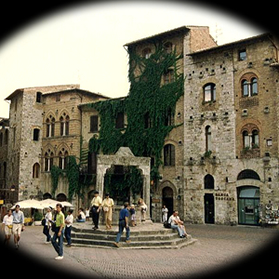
217,247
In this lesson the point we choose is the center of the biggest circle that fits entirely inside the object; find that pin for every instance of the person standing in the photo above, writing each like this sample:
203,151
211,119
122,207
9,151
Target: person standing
133,215
18,225
165,213
123,223
96,207
47,225
7,226
58,232
68,229
107,205
143,209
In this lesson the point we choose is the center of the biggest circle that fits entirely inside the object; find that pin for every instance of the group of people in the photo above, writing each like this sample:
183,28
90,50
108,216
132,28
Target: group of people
13,223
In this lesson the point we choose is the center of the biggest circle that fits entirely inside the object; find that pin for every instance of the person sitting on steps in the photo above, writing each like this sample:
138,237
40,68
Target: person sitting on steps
177,224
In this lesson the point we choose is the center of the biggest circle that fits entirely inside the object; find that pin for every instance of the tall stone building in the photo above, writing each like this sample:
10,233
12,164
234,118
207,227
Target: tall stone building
231,132
44,129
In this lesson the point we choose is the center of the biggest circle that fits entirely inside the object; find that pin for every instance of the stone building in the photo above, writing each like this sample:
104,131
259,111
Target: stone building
4,139
44,129
231,132
169,189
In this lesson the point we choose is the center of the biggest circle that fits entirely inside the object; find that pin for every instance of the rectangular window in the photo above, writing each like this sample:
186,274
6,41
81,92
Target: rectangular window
94,123
119,121
39,97
242,55
36,134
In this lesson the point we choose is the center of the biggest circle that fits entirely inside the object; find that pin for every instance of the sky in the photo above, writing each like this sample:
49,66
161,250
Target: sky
84,44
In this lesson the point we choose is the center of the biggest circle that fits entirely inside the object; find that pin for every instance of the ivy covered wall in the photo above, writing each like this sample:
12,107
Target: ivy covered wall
149,105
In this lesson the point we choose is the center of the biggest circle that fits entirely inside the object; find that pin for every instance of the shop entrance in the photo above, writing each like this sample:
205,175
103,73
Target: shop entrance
248,205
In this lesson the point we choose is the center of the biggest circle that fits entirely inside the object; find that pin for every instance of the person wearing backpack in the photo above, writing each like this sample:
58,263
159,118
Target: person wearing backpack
47,224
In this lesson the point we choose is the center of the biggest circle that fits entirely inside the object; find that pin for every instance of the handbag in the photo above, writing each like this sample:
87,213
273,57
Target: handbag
106,209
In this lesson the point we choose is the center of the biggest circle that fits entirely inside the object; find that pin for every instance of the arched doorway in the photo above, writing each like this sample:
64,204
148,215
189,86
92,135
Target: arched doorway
167,200
248,205
61,197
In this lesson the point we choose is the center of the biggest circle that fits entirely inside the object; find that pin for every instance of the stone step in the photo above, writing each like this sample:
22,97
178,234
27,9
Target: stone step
134,237
152,236
175,243
112,232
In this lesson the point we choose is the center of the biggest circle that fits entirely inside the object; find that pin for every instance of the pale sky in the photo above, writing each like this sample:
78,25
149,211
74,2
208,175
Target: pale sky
84,44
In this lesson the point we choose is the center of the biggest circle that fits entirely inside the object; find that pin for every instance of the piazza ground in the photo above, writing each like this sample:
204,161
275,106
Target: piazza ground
216,247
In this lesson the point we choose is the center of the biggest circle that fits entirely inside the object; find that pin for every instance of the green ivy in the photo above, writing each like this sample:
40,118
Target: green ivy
55,173
147,97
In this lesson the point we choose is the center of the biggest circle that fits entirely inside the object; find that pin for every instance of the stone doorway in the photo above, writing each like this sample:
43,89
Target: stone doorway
167,199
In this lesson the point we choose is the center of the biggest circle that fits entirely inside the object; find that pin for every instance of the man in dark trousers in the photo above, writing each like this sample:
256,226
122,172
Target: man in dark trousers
123,223
96,207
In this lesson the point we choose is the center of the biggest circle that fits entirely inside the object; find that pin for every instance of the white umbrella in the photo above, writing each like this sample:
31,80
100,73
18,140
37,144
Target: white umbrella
50,202
29,204
65,203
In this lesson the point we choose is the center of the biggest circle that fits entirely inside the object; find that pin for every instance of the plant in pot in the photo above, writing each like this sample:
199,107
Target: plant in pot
38,216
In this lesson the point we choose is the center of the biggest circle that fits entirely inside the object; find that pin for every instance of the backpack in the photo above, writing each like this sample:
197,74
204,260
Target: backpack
167,225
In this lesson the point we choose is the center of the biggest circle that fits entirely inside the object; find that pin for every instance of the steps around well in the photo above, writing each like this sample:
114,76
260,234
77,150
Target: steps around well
144,236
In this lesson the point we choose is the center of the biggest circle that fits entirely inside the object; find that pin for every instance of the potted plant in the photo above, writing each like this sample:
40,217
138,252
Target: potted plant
38,216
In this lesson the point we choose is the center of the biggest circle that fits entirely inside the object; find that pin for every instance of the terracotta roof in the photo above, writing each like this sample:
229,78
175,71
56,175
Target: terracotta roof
231,44
182,29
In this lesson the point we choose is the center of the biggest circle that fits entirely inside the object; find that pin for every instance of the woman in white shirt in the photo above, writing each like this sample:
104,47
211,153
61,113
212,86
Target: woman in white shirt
7,226
48,218
69,222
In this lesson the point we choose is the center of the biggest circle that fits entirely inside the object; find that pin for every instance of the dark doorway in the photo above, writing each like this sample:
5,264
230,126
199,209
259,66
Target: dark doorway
209,209
168,199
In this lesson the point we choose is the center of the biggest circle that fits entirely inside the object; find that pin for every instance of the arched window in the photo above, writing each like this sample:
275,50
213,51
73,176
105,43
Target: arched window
248,174
209,92
249,85
50,126
208,146
36,170
63,159
169,155
48,160
254,86
64,125
255,138
245,88
246,141
250,136
208,182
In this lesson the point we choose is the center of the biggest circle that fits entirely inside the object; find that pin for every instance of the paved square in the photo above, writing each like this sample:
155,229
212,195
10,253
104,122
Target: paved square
217,246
